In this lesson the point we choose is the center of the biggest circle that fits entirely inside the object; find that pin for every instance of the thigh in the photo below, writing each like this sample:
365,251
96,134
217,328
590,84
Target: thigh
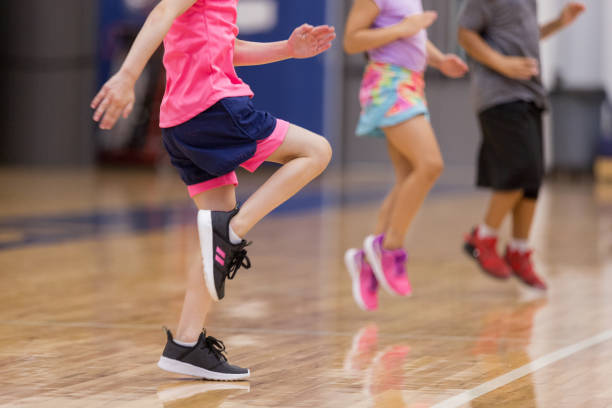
414,140
298,142
218,199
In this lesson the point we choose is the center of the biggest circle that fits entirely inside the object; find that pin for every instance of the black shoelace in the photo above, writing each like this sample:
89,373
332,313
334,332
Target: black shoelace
240,260
215,346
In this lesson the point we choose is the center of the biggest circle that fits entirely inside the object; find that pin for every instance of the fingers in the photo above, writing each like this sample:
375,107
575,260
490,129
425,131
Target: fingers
110,117
328,39
323,30
430,17
128,109
102,107
577,7
99,97
305,29
460,63
531,66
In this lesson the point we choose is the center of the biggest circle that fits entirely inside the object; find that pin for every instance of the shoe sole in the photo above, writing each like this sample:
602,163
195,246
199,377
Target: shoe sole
178,367
206,244
525,283
470,250
349,257
368,246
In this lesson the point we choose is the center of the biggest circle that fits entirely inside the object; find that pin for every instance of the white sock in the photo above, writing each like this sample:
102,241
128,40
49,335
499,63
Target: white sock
184,343
234,238
520,245
484,231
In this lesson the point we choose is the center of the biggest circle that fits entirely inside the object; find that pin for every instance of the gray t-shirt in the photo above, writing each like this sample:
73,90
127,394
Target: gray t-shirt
510,27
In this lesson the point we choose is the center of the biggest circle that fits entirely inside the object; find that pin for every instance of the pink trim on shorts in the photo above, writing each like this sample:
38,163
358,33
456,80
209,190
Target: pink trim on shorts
226,180
267,146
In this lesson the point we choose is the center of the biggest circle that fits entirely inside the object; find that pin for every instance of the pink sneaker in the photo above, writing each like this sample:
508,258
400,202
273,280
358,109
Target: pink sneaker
365,284
389,266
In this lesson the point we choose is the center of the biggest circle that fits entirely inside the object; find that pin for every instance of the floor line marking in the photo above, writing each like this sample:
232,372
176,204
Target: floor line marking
246,330
546,360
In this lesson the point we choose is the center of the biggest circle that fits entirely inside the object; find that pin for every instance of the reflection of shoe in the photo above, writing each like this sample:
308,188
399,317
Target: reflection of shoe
521,265
363,348
199,393
204,360
387,372
221,258
365,284
389,266
484,251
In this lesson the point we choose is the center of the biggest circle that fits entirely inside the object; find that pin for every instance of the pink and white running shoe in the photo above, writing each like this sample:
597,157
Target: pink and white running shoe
389,266
365,284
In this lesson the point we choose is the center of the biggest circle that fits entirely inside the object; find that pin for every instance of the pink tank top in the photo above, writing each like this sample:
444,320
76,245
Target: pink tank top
199,54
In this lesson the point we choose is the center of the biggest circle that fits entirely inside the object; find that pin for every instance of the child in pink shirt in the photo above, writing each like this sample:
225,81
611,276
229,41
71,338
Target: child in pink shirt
210,127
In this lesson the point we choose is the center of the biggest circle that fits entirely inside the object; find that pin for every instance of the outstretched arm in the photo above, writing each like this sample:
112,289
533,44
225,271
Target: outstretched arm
449,64
306,41
569,14
360,37
117,95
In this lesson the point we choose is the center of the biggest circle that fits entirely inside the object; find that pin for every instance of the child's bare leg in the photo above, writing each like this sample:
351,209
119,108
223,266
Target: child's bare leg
402,170
416,142
522,215
502,202
197,301
304,155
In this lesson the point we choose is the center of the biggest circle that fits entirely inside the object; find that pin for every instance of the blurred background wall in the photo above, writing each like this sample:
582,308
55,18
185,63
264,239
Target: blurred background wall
58,52
48,73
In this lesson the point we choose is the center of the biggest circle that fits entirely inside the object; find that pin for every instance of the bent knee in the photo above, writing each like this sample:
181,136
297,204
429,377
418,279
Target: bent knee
321,152
431,169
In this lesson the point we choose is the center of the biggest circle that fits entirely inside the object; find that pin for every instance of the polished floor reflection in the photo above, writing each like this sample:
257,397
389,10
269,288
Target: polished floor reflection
92,265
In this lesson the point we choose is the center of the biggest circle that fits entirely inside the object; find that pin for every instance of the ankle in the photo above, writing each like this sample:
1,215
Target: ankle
186,337
391,243
238,227
485,231
520,245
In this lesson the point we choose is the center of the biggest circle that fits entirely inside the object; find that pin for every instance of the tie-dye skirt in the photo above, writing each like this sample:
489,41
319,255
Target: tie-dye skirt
389,95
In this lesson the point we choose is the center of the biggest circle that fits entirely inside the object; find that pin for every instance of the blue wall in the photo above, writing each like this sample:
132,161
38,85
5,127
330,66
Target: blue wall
292,90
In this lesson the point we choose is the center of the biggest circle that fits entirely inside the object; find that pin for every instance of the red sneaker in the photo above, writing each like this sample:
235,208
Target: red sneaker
484,251
521,265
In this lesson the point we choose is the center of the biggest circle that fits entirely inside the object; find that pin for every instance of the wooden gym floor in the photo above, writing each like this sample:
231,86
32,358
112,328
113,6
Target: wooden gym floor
92,265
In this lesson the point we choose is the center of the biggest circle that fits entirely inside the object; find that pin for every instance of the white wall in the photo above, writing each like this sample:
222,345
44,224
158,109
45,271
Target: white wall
581,55
607,46
548,10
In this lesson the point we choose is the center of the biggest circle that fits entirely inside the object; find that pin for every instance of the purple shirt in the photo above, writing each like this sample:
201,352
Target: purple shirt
410,52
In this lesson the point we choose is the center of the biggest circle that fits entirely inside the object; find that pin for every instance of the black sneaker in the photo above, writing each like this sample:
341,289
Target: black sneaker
204,360
222,259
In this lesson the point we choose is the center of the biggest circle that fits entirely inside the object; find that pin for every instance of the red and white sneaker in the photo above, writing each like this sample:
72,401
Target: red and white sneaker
520,262
389,266
365,285
484,251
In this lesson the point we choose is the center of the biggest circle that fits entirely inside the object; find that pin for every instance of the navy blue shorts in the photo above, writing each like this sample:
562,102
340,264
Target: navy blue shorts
207,149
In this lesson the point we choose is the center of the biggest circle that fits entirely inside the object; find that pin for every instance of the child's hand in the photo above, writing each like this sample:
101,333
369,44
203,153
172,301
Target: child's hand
307,41
411,25
115,98
452,66
570,13
520,68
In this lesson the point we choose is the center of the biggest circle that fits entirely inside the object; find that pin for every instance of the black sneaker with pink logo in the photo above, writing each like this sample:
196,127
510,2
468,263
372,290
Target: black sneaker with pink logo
221,258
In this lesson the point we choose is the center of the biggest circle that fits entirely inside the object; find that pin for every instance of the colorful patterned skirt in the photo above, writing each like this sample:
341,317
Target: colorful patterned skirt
389,95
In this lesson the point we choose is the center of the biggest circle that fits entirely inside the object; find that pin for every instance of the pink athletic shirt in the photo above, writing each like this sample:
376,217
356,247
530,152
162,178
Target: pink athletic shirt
199,55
